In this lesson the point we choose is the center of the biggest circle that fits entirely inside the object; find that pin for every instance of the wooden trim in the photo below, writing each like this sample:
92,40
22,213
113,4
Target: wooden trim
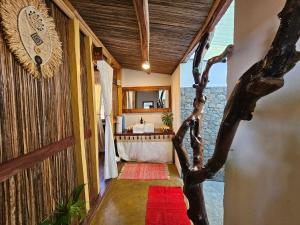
170,99
142,14
72,13
145,134
13,166
120,95
217,11
92,114
94,206
155,110
146,88
77,111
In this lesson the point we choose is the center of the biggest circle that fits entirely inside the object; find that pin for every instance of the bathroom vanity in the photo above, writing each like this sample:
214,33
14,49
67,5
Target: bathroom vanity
146,147
141,141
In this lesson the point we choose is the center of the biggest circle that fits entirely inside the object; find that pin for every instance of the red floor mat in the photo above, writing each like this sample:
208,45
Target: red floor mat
166,206
144,171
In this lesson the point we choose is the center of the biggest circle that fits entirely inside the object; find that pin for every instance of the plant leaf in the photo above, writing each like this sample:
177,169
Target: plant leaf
77,209
64,212
167,119
76,192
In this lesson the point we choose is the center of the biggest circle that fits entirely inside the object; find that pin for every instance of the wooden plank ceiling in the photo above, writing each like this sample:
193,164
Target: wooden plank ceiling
173,26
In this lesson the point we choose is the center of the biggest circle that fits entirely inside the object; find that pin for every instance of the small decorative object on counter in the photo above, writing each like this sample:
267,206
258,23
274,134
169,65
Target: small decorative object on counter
165,128
141,121
123,123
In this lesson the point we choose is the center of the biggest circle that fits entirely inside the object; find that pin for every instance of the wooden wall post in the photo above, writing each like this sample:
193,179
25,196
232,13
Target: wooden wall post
77,112
92,114
120,96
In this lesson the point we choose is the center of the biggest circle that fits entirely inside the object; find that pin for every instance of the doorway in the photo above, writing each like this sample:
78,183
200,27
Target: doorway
216,93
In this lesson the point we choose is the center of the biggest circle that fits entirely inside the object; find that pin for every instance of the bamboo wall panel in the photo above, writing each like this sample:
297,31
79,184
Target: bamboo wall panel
84,91
83,76
30,196
35,113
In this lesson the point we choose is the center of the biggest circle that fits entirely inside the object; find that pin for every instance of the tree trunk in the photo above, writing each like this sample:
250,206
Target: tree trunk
263,78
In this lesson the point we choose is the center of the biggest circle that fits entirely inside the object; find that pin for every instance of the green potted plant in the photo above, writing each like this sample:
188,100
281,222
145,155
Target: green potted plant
167,119
71,212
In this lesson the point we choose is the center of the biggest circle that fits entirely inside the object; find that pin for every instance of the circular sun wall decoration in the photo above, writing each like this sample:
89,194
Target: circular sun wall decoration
31,36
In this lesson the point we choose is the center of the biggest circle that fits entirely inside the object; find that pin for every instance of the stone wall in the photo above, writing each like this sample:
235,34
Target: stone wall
213,112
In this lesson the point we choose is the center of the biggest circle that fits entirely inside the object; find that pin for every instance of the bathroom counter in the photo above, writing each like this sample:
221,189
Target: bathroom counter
157,131
146,147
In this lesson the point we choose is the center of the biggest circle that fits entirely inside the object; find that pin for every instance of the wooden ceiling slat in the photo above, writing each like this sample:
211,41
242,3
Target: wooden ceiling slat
173,26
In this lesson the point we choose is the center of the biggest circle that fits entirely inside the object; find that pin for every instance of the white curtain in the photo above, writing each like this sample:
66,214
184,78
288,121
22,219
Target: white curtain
100,125
106,79
142,150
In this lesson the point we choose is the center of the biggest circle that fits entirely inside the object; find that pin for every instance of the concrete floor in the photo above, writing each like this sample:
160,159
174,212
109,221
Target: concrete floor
214,195
125,201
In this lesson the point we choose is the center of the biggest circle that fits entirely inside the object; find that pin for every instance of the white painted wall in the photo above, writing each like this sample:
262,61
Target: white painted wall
262,185
134,78
176,104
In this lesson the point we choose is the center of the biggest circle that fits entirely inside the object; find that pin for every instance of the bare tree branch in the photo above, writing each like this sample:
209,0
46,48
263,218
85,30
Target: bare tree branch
197,211
263,78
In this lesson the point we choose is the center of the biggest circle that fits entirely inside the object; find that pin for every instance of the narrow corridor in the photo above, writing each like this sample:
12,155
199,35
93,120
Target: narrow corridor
125,201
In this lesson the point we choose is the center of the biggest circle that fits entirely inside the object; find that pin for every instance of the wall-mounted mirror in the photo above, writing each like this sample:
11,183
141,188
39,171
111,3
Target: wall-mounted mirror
146,99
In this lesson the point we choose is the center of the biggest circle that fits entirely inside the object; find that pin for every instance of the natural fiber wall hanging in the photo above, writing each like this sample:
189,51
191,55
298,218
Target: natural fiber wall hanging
31,36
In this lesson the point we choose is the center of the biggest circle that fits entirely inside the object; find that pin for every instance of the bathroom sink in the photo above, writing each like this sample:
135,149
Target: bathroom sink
143,128
138,128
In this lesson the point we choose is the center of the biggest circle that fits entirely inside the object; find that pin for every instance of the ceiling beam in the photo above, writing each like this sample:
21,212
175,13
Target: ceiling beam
217,11
142,14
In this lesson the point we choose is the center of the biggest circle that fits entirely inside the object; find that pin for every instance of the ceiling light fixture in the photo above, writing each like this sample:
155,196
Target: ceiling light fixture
146,65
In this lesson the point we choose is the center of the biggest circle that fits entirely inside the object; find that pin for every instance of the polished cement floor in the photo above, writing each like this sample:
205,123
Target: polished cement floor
125,201
214,196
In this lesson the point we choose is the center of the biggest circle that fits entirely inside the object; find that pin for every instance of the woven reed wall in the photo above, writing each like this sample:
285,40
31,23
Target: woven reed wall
84,91
34,113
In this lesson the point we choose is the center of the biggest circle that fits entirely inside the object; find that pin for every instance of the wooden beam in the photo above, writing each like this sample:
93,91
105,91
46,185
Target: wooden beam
13,166
16,165
72,13
92,115
217,11
77,112
142,14
97,54
120,95
147,88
